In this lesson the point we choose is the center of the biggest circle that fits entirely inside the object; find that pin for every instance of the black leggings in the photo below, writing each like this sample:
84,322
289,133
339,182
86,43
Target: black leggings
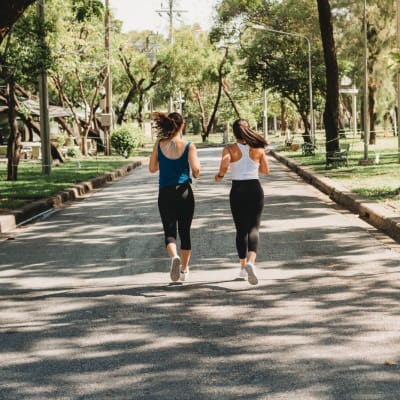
247,202
176,206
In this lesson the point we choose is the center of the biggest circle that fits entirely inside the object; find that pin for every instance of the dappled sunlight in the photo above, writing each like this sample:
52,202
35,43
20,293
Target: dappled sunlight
88,309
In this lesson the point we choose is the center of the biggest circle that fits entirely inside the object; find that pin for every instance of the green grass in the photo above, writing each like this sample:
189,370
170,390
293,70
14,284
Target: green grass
32,185
379,182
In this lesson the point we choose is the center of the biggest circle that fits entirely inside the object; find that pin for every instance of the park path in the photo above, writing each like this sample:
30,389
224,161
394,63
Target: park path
87,310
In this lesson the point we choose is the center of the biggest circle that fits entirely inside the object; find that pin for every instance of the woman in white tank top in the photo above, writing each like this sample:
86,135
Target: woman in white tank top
246,159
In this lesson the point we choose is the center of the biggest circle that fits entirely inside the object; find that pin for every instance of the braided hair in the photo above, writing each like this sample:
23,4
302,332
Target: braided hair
242,131
166,125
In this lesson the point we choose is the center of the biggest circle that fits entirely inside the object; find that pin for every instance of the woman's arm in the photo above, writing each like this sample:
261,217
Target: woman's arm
264,166
224,164
194,161
153,163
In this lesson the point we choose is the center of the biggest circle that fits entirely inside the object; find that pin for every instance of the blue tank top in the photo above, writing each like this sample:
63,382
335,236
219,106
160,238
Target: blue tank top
173,171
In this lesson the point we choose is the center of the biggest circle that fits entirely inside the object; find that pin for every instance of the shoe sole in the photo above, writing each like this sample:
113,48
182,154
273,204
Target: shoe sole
174,273
251,276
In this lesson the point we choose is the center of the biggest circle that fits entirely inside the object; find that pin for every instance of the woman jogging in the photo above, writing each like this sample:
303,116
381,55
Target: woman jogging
246,159
174,158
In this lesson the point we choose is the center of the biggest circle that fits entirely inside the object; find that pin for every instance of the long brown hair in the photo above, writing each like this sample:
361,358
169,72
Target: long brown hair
242,131
166,125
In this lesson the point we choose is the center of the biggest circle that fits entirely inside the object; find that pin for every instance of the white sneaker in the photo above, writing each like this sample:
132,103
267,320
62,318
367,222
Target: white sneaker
242,273
184,275
252,277
175,268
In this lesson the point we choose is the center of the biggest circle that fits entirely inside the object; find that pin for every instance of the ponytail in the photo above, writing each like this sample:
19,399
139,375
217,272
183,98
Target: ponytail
166,125
242,131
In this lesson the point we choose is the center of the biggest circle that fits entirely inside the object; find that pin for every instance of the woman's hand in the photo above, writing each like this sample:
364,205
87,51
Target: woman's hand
218,178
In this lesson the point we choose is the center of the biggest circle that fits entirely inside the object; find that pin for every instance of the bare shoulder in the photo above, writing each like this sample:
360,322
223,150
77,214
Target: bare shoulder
231,148
257,152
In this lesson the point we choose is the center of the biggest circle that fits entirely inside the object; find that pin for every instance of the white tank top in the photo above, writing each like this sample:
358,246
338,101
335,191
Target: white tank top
245,168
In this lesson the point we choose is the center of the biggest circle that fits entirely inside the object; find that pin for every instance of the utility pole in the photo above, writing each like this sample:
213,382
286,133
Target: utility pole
107,120
366,116
44,104
170,11
265,114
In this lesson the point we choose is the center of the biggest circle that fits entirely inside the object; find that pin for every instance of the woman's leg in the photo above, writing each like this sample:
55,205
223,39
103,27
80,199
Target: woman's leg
238,205
185,218
256,194
167,209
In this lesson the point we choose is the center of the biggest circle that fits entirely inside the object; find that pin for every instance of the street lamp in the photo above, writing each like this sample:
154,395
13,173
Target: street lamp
310,89
107,120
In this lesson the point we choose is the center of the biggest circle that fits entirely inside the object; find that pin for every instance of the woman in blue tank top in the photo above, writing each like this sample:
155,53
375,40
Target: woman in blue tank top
246,159
175,158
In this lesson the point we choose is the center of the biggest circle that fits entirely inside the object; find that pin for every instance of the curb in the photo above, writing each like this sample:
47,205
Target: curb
32,210
371,212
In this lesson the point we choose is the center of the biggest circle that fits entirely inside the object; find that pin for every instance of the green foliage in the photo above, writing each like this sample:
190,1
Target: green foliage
26,52
74,152
125,139
84,10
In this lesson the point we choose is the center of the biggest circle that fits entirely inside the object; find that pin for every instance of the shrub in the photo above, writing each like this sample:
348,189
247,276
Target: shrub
126,138
74,152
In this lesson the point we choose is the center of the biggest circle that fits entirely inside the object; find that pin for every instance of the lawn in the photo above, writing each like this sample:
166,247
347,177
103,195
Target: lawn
32,185
379,181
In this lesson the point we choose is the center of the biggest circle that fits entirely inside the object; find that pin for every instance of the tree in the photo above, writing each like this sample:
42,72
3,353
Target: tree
381,25
331,112
78,72
21,59
142,72
278,56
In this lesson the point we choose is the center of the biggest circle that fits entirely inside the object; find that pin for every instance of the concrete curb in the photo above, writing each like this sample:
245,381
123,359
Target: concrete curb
375,214
10,221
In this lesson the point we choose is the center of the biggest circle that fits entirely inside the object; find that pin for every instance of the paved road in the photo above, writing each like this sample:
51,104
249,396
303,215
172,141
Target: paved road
87,310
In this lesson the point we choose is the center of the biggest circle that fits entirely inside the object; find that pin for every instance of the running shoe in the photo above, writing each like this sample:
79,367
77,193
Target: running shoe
242,273
175,268
184,275
252,277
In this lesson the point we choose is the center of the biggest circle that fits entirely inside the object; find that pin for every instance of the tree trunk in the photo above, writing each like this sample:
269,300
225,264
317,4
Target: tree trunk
14,146
284,117
331,111
230,98
127,101
306,123
220,88
10,12
202,111
372,114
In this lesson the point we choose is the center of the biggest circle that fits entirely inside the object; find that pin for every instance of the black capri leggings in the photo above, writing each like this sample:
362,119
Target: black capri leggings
176,206
247,202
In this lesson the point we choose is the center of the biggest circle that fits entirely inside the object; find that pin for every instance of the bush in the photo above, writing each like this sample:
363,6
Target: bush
74,152
125,139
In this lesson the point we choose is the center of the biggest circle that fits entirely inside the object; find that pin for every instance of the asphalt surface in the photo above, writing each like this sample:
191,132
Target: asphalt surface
87,310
